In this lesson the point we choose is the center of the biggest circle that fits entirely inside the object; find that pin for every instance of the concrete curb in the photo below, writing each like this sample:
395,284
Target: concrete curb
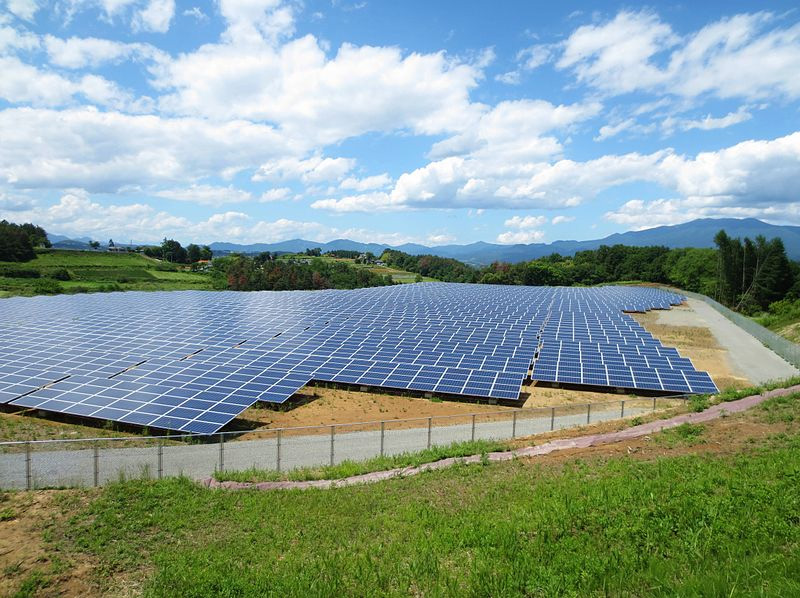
589,440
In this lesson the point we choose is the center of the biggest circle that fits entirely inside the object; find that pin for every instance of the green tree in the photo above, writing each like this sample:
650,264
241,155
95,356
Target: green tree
15,243
192,253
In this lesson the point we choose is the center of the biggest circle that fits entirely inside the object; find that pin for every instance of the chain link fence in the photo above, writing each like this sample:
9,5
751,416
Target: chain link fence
785,348
94,462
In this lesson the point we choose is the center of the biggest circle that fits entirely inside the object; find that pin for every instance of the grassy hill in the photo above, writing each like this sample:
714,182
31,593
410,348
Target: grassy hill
401,276
69,271
699,510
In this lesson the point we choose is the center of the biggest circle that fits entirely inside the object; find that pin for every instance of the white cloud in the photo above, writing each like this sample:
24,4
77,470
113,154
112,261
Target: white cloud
562,219
522,236
638,214
535,56
440,239
314,98
206,194
15,38
196,13
276,194
500,151
732,57
509,78
24,9
156,16
377,181
315,169
78,53
522,222
608,131
106,151
25,84
709,122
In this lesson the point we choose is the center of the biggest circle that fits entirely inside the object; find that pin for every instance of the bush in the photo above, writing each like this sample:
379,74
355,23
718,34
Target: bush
78,290
14,272
60,274
47,286
698,403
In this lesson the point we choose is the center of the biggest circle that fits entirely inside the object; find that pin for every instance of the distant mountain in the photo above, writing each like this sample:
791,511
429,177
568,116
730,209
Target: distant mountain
697,233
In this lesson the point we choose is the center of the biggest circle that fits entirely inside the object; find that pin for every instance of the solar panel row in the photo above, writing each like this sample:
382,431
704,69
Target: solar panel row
192,361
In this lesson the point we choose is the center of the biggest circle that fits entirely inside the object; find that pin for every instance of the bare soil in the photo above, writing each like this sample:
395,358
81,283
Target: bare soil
699,345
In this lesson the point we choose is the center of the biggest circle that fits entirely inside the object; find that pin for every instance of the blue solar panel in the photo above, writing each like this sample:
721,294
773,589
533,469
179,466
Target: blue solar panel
192,361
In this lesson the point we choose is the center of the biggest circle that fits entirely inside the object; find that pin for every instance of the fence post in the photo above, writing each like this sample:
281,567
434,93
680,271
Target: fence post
622,409
654,403
28,476
160,459
430,424
96,459
333,436
278,452
221,452
552,418
588,413
383,431
473,428
514,425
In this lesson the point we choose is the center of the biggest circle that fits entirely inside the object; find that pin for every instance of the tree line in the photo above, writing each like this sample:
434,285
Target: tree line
747,275
264,273
18,241
172,251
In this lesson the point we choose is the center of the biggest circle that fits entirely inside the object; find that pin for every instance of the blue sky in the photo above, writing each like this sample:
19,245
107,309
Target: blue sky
430,122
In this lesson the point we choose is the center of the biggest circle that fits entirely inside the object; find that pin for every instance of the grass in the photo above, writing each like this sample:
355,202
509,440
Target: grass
92,271
688,525
676,526
353,468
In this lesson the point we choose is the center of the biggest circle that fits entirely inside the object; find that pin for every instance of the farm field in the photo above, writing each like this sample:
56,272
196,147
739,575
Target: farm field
577,522
401,276
67,271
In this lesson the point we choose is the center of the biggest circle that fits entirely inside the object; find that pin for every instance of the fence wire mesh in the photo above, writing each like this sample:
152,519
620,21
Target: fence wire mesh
94,462
785,348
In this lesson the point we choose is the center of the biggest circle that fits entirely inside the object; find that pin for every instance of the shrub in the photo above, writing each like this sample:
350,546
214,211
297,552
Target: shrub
47,286
14,272
60,274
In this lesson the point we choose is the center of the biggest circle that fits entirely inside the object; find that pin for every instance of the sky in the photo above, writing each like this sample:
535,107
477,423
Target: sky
256,121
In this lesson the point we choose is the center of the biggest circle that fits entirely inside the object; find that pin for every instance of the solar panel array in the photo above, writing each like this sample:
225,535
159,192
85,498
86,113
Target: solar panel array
192,360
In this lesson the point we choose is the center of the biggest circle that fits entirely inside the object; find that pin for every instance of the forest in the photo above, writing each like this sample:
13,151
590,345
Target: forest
264,273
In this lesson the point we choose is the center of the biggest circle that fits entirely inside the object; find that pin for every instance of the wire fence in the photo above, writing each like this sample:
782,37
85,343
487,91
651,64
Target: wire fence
785,348
97,461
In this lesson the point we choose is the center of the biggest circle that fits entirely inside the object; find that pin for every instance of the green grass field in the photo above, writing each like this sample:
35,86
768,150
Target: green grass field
678,523
93,271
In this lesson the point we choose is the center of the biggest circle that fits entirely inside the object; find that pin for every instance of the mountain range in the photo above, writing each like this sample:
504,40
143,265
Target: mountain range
697,233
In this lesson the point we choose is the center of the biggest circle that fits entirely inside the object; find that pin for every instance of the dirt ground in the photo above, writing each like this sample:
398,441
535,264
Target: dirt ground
699,345
24,554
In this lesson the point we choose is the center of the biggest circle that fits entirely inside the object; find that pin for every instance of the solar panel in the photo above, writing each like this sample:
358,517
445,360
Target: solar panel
194,360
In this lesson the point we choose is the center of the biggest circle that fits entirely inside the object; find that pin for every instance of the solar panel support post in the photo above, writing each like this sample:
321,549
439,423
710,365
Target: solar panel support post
514,425
552,418
221,452
28,476
278,452
430,425
333,439
588,413
160,452
383,433
654,403
96,464
473,428
622,408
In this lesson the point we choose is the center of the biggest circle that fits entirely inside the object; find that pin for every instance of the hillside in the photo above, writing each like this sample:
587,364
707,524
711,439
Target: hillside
575,523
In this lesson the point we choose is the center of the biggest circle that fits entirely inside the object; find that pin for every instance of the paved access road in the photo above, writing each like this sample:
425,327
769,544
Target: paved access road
748,356
53,464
